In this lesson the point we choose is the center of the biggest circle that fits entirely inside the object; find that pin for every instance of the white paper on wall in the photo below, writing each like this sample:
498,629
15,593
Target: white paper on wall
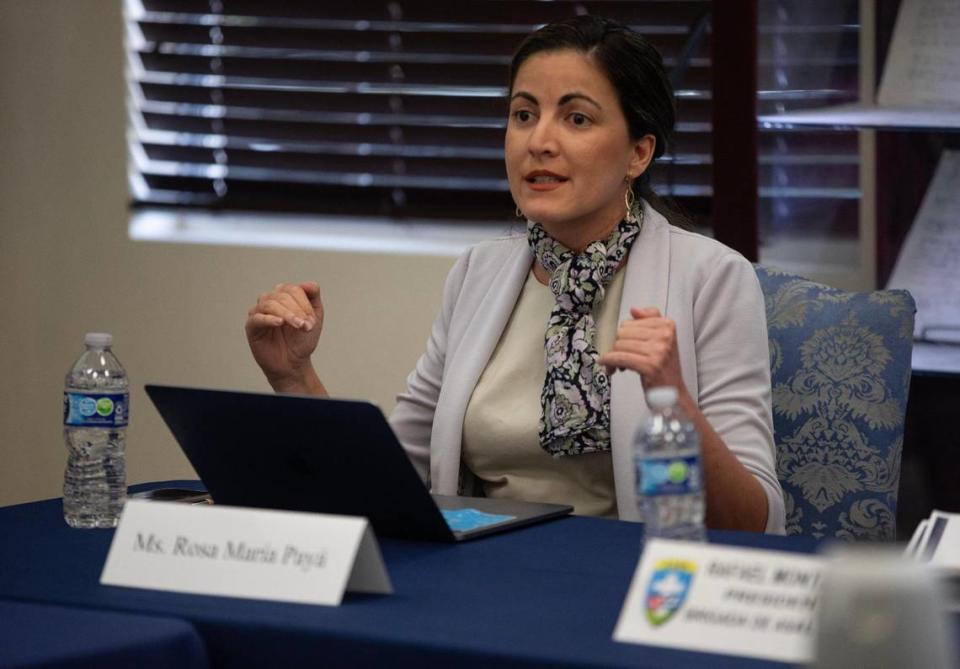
923,64
929,262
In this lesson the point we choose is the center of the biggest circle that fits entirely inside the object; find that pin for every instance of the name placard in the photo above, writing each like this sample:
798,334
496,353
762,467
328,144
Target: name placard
722,599
285,556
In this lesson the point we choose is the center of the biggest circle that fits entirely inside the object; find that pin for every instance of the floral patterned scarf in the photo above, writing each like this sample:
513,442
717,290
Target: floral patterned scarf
575,401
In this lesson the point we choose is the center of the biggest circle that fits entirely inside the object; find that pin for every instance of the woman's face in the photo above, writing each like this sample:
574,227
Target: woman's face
567,147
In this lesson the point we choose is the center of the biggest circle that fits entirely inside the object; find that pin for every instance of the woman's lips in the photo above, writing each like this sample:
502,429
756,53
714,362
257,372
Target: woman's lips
544,182
540,187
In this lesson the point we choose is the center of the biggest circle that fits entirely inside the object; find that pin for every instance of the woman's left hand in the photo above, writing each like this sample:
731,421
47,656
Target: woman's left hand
648,345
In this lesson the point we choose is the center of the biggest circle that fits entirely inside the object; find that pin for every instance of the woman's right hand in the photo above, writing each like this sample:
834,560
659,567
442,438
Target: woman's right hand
283,329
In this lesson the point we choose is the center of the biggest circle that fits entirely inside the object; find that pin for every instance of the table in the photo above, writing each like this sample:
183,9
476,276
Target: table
930,359
56,637
543,596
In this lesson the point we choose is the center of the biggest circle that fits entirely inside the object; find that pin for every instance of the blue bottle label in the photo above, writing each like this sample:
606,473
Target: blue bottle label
670,475
95,409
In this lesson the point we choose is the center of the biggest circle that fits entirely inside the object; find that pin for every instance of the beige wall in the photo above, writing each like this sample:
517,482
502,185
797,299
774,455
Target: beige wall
176,311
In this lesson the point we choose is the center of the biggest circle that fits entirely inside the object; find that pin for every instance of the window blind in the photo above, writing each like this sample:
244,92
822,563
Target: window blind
364,108
397,109
808,57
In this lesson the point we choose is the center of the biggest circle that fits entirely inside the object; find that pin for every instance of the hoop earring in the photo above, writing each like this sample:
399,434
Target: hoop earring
630,201
519,213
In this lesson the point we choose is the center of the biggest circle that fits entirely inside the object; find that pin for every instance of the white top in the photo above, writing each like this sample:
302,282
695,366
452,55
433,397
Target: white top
662,397
98,339
501,441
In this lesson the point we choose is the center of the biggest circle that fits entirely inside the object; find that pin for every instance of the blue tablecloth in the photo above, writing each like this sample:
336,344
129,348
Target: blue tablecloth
547,595
55,637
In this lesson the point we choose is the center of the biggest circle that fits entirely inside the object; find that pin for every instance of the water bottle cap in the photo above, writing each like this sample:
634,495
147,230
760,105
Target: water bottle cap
662,397
98,339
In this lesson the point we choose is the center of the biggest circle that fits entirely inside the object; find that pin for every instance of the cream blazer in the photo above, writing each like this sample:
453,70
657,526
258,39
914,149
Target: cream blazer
710,291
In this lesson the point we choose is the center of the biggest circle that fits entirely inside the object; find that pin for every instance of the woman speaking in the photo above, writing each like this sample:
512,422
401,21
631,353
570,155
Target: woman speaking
531,385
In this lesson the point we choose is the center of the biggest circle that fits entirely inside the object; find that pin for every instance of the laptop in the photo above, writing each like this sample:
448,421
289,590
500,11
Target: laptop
323,455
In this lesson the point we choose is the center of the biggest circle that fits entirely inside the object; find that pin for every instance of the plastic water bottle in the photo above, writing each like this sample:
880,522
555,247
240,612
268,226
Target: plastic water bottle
95,413
669,474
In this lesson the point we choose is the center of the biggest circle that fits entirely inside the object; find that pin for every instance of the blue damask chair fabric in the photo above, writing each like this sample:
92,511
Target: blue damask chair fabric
840,365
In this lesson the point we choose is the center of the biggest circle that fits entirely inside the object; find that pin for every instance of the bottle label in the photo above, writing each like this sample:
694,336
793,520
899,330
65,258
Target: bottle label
670,476
95,409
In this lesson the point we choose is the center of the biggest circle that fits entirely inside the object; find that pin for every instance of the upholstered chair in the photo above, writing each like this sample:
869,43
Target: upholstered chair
840,366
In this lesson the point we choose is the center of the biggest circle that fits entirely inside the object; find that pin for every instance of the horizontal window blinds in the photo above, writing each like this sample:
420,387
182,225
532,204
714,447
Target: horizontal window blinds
808,57
362,108
397,109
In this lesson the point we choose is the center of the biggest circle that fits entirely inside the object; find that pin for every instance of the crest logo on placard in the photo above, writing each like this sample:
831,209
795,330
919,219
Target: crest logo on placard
668,588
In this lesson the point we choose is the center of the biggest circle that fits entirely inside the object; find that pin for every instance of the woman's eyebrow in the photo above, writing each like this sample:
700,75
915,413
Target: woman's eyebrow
569,97
524,95
566,99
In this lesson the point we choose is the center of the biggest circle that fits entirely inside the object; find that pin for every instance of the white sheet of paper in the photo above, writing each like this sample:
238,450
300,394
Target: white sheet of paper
943,540
920,549
284,556
929,262
923,63
722,599
914,543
